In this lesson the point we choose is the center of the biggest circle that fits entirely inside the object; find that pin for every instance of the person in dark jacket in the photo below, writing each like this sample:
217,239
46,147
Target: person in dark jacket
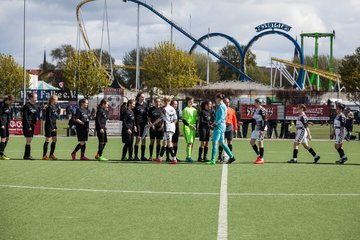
51,114
140,113
128,129
100,128
29,117
6,113
206,119
156,130
82,117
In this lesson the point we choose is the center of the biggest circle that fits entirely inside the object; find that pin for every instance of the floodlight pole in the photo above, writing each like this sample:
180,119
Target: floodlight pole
137,76
24,55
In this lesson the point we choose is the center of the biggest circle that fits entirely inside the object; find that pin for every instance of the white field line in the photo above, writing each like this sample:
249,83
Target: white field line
173,193
223,206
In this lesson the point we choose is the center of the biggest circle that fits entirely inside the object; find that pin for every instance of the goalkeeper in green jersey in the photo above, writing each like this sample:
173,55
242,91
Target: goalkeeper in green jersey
189,118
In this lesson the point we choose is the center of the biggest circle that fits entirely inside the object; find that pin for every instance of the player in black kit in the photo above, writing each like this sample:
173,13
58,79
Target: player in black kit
6,113
51,114
128,129
157,130
140,113
100,127
206,119
29,117
82,117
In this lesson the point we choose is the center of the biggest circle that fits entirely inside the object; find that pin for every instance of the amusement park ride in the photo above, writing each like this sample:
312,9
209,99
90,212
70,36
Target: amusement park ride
298,79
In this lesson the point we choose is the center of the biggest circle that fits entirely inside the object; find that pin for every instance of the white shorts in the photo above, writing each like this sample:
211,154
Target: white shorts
301,136
338,136
256,135
168,136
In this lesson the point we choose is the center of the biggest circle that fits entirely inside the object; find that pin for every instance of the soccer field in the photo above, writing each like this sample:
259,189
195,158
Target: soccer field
66,199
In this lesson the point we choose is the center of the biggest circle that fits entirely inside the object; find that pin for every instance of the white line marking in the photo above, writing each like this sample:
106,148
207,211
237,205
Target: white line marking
223,206
176,193
105,190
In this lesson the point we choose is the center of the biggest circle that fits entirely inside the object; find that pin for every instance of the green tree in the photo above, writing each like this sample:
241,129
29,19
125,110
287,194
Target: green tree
11,75
61,54
169,69
83,73
129,74
201,66
232,55
350,74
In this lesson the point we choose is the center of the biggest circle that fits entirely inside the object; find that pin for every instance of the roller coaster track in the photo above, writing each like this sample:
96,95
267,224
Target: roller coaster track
328,75
188,35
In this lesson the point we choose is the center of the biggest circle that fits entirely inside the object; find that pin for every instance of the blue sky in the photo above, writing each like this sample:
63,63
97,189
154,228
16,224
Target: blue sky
51,23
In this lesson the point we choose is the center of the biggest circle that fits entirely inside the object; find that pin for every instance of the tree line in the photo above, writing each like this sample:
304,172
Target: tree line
165,68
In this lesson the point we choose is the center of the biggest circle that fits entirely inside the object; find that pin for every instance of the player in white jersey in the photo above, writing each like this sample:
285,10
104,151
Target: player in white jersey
260,119
339,132
170,119
302,134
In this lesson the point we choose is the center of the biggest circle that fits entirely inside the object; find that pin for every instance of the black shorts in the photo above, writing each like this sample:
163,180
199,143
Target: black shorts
27,133
102,137
82,133
204,134
4,132
127,138
156,134
229,132
140,130
49,132
175,138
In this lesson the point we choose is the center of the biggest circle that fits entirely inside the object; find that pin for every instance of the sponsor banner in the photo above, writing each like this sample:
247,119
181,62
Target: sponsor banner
115,97
44,95
15,127
113,127
313,112
247,111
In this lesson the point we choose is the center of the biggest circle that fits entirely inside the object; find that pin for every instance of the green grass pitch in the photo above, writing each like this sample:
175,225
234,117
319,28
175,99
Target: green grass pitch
126,200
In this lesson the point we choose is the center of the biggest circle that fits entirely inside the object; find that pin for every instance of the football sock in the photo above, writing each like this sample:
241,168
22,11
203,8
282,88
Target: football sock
45,148
220,151
312,152
206,149
52,148
261,152
142,151
230,147
2,146
201,149
83,148
130,149
341,152
295,153
125,147
188,151
162,151
151,149
175,149
172,152
158,147
77,148
136,150
256,150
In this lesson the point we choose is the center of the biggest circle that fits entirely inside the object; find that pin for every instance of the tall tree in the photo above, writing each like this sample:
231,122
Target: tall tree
350,75
201,66
129,74
83,73
169,69
61,54
232,55
11,75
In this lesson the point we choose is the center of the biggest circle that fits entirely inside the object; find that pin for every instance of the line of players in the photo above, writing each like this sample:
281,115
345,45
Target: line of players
162,124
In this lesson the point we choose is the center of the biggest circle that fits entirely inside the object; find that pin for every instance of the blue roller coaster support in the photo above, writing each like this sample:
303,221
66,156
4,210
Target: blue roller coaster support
300,79
181,30
231,39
